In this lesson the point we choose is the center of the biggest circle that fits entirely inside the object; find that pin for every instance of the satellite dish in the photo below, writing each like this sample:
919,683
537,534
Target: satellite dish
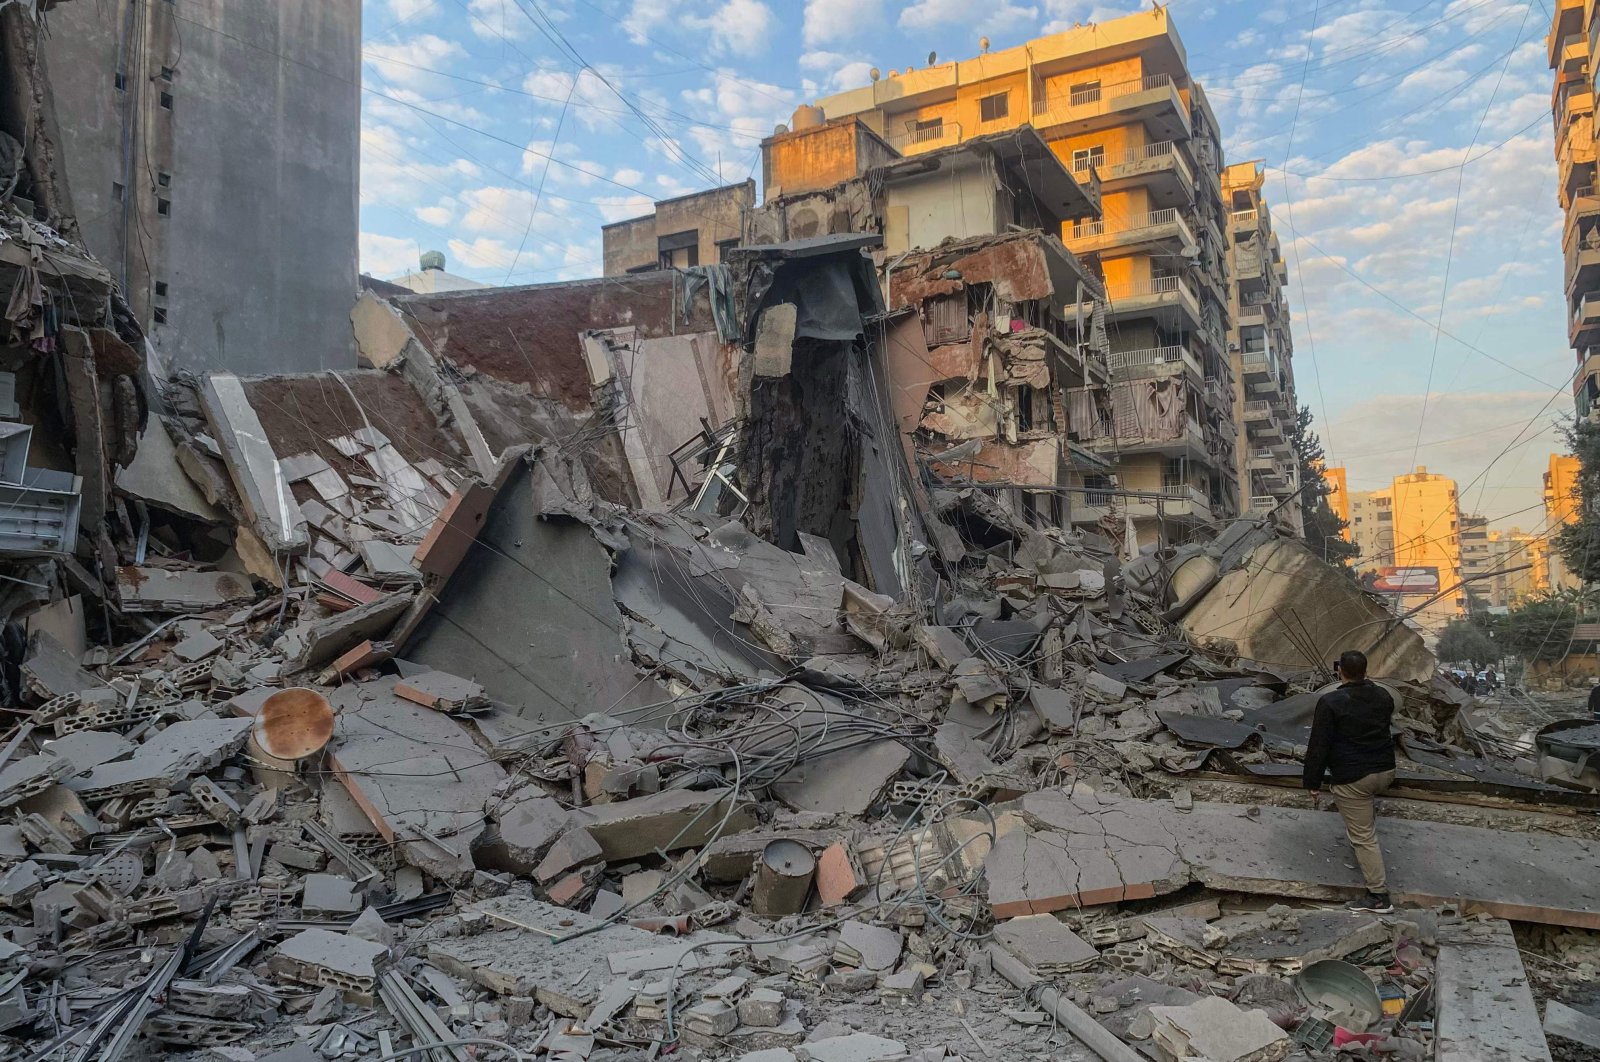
875,73
933,57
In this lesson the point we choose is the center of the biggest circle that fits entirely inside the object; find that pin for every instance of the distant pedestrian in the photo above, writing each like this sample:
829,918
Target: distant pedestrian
1594,701
1491,681
1352,748
1470,684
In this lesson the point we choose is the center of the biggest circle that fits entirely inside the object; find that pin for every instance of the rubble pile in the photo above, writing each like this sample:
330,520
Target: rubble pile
329,737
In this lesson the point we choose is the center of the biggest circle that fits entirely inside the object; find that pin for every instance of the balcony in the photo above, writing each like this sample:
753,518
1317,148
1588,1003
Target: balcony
1154,361
1263,503
1160,166
1574,103
1170,299
1568,20
1180,501
1258,362
1258,411
1584,330
1217,394
1244,220
1063,111
1582,205
1261,461
1089,237
1189,441
1582,251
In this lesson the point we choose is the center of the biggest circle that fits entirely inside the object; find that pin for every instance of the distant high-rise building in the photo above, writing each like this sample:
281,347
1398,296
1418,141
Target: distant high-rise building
212,150
1338,483
1427,535
1571,47
1562,504
1260,350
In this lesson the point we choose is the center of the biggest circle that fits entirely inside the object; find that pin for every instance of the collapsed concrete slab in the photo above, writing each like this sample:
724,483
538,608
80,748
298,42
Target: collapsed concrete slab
1066,849
274,513
1483,1007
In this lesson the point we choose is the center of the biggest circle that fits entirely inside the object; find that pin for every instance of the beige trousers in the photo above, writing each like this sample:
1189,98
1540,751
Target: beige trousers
1354,802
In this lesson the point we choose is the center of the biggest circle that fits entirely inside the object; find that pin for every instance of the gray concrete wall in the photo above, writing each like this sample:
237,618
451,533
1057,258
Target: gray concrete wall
629,245
262,144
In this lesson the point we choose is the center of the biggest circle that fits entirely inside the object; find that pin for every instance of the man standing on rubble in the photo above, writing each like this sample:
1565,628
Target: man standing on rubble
1351,746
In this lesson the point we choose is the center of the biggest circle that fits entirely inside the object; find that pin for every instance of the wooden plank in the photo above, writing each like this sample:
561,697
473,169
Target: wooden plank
1484,1008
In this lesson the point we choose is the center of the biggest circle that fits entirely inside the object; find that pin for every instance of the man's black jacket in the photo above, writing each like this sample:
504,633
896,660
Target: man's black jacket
1350,735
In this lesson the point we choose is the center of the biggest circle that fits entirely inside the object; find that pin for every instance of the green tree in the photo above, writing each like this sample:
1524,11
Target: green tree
1541,627
1323,528
1578,543
1467,640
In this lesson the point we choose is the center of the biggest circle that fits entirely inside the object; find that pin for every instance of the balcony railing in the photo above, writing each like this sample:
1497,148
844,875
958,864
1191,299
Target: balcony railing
1257,410
1263,503
1130,359
1587,308
1153,286
1086,229
1084,96
1115,166
1245,217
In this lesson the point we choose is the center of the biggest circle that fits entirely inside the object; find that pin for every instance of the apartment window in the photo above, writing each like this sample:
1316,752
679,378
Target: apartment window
1097,490
1084,158
161,289
118,192
166,73
166,101
164,180
993,108
121,81
1084,92
678,250
930,129
1174,473
724,246
163,207
159,314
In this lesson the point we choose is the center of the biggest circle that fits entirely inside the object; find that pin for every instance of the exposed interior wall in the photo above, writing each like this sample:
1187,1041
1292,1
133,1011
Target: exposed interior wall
957,201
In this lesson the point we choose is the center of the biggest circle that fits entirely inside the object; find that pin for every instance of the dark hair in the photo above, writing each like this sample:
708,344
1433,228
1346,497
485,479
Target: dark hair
1353,664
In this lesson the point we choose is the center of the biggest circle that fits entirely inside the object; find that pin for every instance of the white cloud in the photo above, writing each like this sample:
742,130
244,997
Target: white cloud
731,27
439,216
387,256
399,62
996,16
835,72
482,253
498,20
406,10
829,21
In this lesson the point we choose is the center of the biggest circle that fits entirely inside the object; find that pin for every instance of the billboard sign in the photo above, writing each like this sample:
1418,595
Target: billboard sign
1415,580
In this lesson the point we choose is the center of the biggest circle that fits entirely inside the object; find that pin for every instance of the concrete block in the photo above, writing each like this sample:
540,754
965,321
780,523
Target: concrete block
576,848
522,835
857,1047
1217,1030
668,821
330,894
761,1008
1569,1024
1044,945
252,464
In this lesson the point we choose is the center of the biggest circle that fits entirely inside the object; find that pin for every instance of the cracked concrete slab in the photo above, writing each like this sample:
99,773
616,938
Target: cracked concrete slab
1081,849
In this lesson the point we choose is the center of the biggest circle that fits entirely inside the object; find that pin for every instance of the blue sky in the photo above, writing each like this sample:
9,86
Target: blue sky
1409,150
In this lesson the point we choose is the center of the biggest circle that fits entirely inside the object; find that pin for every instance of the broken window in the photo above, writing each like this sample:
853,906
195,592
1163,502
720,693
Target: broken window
1174,474
166,101
724,246
995,107
159,315
1084,158
930,129
678,250
161,289
1024,408
166,73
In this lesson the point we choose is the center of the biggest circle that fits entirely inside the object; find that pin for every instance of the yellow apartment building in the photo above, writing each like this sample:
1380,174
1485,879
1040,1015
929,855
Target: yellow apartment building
1117,105
1573,48
1427,534
1561,506
1372,530
1338,482
1260,351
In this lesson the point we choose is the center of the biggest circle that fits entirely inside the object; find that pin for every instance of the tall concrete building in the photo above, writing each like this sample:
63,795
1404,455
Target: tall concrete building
1562,504
1118,106
1338,485
1260,351
1427,534
212,150
1371,522
1573,48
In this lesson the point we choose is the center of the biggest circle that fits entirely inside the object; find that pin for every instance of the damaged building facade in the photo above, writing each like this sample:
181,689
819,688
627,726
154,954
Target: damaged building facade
1116,103
1261,351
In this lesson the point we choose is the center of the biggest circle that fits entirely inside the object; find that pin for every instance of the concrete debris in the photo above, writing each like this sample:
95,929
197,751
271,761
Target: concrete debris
368,711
